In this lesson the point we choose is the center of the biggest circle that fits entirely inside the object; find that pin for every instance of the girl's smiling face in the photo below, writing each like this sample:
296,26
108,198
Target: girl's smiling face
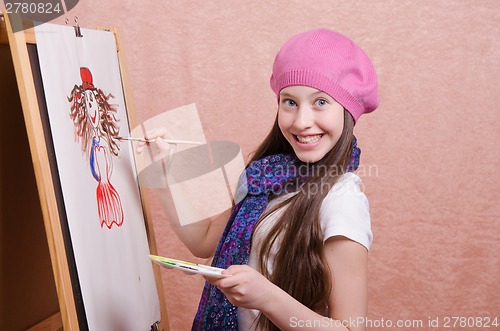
311,121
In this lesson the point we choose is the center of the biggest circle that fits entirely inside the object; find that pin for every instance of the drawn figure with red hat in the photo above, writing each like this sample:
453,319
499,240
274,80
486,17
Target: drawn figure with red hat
96,128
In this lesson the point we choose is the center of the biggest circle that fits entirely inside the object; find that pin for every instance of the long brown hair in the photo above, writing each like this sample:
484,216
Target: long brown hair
300,267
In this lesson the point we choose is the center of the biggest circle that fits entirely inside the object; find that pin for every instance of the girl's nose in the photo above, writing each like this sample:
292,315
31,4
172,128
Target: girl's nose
304,118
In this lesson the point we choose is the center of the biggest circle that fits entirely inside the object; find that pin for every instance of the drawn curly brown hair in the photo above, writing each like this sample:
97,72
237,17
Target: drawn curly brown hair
108,123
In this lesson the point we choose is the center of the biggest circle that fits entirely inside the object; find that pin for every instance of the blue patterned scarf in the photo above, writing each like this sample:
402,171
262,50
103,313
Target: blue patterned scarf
271,175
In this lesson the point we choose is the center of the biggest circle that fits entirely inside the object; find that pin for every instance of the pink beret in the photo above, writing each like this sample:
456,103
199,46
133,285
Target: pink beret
330,62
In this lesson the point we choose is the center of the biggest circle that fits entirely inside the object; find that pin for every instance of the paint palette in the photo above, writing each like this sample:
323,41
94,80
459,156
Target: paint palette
188,267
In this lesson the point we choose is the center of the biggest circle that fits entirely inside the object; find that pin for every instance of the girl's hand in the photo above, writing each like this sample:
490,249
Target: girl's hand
246,287
159,135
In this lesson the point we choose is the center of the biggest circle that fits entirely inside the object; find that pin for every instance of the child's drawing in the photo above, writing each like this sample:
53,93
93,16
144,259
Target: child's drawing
87,113
96,128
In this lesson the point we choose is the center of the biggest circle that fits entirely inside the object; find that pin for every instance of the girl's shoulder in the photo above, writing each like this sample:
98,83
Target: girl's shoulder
349,182
346,194
345,211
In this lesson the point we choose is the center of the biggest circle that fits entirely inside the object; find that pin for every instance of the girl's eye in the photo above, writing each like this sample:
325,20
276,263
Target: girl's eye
321,102
290,103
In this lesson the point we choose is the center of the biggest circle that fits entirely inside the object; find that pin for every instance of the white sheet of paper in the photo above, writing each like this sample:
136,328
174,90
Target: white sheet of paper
114,270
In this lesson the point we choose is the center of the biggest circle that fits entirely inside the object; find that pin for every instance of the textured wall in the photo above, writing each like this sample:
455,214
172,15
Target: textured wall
429,152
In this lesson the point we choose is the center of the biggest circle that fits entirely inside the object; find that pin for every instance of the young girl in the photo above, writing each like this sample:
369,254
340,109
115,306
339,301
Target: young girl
295,248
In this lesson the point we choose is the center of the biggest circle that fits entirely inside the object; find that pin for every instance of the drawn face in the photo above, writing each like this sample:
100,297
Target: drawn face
92,108
311,121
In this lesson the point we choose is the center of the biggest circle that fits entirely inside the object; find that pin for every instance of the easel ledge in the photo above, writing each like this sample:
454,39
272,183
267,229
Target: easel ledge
18,42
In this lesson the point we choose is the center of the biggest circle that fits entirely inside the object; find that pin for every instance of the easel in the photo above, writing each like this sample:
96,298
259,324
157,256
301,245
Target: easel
21,94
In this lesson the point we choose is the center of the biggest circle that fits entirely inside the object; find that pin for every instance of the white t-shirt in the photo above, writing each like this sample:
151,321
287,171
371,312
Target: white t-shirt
344,212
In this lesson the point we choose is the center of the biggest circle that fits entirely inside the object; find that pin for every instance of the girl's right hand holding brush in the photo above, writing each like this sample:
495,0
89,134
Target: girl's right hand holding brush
157,143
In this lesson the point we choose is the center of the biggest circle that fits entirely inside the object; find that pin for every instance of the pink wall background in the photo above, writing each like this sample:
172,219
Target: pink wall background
430,152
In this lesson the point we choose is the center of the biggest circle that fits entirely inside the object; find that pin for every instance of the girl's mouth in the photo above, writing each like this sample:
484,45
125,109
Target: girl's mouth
308,139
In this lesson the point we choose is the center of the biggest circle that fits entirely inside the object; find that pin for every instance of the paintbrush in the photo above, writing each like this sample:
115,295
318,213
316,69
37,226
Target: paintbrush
170,141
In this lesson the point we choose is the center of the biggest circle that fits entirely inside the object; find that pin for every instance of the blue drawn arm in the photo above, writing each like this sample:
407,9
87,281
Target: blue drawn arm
95,143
